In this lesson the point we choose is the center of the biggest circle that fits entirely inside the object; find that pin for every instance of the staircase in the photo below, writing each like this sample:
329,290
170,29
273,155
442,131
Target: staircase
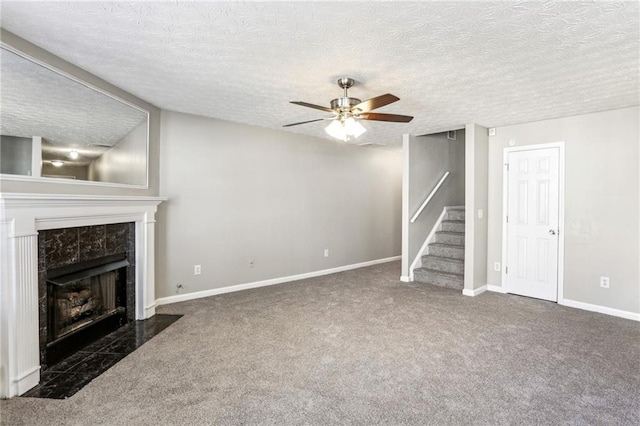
444,264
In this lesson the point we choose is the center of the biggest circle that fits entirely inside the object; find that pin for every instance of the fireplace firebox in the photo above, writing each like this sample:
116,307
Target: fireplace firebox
87,298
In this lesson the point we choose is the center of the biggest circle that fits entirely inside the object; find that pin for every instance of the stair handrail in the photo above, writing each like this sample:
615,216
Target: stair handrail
426,201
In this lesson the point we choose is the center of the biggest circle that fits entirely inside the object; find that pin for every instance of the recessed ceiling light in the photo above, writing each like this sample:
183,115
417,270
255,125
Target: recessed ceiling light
73,154
57,163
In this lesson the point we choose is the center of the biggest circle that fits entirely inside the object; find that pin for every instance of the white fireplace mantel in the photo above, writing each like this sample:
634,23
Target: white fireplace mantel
21,217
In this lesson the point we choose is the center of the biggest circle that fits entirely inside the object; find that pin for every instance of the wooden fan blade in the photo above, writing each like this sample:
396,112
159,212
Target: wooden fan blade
385,117
308,105
377,102
303,122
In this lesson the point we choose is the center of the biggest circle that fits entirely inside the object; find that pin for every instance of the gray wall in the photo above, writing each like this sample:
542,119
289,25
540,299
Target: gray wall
59,187
240,193
476,227
429,158
601,202
125,162
15,155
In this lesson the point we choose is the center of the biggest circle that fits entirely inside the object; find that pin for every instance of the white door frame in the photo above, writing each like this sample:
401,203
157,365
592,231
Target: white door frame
505,200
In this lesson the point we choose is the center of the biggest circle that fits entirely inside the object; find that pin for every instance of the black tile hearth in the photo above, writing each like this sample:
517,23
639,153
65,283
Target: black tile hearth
98,363
60,385
70,375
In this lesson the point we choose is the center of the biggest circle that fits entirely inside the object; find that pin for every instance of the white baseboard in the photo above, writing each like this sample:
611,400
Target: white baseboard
229,289
575,304
405,279
25,381
474,292
149,311
600,309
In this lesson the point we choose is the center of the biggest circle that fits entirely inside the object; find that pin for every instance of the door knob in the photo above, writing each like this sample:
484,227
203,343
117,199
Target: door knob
552,232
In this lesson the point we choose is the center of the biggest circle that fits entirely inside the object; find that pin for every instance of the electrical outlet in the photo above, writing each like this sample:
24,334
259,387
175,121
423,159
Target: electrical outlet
197,270
604,282
251,264
496,266
326,252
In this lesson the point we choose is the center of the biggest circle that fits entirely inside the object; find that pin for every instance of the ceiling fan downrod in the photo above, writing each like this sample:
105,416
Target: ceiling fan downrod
345,83
345,104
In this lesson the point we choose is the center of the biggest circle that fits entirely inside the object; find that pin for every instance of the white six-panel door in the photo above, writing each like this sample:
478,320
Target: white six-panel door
532,223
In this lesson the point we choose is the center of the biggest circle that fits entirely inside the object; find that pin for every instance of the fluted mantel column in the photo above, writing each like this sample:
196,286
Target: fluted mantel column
19,297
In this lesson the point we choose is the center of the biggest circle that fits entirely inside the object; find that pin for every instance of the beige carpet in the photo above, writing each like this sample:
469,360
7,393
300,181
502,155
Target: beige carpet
362,348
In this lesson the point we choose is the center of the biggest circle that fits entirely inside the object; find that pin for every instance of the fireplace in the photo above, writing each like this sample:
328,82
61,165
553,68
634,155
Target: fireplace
84,305
29,219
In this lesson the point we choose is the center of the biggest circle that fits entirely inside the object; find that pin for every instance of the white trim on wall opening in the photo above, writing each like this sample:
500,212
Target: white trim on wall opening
404,274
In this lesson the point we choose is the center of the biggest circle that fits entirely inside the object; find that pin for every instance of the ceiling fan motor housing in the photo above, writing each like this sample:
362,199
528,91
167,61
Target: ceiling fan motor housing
344,104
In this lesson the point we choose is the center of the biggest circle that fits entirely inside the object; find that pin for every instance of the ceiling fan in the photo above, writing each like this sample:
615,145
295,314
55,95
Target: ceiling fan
347,111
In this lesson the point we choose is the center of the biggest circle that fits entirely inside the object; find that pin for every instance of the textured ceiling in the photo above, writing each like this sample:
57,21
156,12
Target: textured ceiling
39,102
451,63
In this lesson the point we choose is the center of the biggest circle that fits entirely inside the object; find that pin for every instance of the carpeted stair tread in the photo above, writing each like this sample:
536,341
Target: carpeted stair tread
444,259
449,237
450,232
452,225
451,274
455,214
439,278
443,264
455,246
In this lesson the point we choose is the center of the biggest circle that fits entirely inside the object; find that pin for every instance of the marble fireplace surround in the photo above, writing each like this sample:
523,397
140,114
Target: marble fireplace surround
21,217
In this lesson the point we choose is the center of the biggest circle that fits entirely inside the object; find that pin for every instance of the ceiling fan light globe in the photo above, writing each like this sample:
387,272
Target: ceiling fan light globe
353,127
336,129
